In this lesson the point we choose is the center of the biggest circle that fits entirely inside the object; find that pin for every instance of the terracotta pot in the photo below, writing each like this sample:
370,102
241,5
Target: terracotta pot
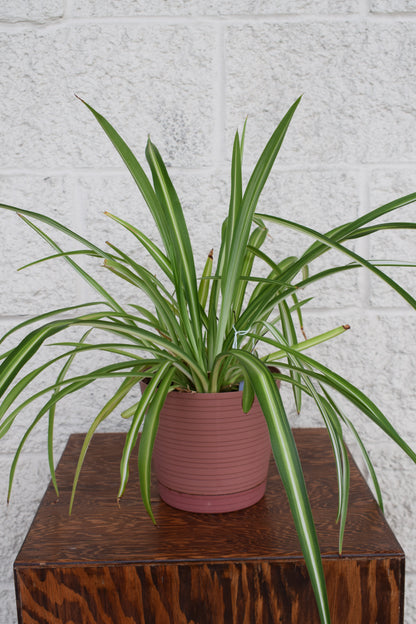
209,456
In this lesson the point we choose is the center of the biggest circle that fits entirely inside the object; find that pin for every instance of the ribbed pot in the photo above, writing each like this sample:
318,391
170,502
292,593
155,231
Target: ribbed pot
209,456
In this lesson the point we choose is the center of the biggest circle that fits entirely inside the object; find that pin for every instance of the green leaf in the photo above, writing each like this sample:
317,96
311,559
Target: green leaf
393,225
290,470
289,333
235,259
332,423
18,356
40,317
151,286
236,197
243,136
353,394
52,409
138,175
57,397
257,238
20,386
156,253
147,440
348,230
364,452
63,254
182,255
125,387
164,372
305,344
90,280
248,393
203,290
118,369
331,243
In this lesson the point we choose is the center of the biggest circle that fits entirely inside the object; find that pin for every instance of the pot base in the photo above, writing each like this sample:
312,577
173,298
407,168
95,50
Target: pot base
212,503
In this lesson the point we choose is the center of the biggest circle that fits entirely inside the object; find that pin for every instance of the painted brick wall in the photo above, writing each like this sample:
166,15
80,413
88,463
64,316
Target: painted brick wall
189,72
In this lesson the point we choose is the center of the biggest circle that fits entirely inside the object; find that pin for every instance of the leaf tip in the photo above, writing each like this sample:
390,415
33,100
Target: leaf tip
347,327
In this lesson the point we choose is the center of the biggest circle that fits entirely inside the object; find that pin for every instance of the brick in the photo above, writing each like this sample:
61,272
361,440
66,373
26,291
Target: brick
358,103
389,95
31,10
35,289
167,91
392,6
274,55
111,8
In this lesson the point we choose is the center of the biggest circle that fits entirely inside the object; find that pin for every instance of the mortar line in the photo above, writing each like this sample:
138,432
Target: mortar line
398,16
97,171
362,15
371,311
311,312
198,20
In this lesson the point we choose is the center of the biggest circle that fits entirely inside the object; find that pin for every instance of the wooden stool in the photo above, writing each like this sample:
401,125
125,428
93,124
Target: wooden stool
106,564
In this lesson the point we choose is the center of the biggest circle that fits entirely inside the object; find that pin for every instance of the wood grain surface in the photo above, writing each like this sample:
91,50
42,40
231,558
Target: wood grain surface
107,564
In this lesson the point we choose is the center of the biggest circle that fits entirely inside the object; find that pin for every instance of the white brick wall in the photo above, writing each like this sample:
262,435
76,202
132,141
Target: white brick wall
189,72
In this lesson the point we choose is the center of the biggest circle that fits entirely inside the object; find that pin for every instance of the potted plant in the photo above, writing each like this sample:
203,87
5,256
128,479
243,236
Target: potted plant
201,338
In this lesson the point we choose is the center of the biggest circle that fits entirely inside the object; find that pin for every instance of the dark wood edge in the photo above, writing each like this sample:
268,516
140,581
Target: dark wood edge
235,560
19,604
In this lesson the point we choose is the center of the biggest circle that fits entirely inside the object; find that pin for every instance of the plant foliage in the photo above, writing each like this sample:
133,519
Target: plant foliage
203,335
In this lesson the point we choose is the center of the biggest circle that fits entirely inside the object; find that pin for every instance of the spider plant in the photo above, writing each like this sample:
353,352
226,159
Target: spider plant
203,335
